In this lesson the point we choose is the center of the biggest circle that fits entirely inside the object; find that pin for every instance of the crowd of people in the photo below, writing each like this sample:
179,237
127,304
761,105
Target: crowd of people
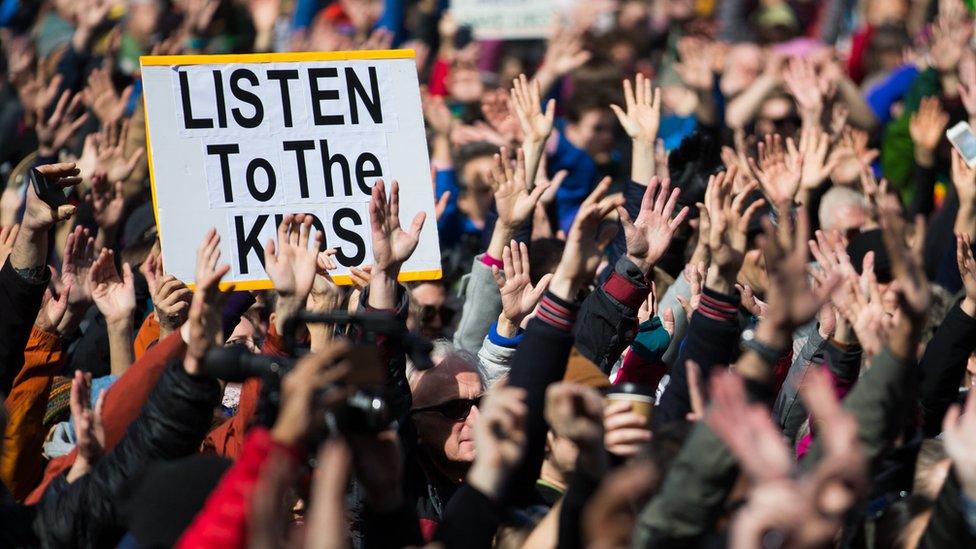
708,280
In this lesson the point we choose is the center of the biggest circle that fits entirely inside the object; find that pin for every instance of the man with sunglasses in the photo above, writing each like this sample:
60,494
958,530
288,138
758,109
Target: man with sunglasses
443,415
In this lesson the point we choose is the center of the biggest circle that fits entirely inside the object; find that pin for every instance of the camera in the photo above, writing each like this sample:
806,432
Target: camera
364,408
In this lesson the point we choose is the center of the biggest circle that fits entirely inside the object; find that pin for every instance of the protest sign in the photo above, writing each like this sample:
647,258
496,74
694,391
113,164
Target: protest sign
506,19
238,141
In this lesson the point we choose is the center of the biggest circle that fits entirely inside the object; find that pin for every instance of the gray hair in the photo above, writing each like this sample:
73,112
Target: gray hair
443,349
835,201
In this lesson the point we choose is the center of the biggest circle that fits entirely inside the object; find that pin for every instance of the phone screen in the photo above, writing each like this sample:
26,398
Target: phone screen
966,142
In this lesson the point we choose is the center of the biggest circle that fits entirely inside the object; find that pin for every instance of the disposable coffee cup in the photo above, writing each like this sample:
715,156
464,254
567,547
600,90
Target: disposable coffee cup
640,397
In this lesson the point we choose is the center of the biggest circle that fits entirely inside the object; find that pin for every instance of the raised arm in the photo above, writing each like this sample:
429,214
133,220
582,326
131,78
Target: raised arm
641,119
541,357
25,274
609,314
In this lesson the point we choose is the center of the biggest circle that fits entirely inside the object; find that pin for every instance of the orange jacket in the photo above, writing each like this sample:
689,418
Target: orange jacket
228,439
21,466
123,402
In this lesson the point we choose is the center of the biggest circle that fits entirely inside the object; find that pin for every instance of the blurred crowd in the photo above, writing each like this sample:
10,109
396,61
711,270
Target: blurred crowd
708,280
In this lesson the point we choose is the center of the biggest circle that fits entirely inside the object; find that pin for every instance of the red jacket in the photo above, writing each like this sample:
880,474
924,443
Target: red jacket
223,520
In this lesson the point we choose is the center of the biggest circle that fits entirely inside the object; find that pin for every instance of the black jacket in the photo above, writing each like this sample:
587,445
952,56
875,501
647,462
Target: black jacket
942,367
87,513
20,301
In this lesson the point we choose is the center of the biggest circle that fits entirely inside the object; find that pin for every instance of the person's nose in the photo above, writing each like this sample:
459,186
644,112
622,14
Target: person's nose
472,416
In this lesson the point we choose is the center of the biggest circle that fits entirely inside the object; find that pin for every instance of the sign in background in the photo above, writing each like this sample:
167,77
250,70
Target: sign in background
506,19
238,141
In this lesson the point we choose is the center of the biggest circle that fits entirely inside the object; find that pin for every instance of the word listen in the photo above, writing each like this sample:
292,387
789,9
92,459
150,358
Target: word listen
325,87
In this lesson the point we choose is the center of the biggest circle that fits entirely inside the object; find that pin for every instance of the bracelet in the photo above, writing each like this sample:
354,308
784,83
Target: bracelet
768,354
34,275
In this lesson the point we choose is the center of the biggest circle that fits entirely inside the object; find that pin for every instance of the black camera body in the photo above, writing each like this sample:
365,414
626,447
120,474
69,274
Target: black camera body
365,408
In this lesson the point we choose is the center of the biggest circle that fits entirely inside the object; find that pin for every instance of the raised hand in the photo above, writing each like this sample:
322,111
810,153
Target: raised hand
778,173
499,435
54,132
527,104
792,302
89,431
864,312
91,14
513,200
967,270
812,155
926,127
43,212
747,430
264,14
649,236
564,54
114,295
324,297
519,296
575,412
203,327
535,124
801,82
498,112
949,39
101,97
199,15
392,245
695,68
313,373
110,152
53,309
293,262
642,117
695,275
79,255
906,260
728,220
438,116
750,302
107,202
585,242
170,296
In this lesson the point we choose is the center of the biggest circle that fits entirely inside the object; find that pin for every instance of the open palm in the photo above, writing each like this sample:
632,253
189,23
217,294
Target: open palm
642,117
292,264
519,296
392,246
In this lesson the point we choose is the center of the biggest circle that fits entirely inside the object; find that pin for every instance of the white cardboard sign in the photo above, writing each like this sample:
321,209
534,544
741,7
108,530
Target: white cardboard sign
237,141
506,19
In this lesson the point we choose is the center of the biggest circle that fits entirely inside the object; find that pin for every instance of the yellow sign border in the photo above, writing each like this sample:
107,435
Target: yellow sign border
287,57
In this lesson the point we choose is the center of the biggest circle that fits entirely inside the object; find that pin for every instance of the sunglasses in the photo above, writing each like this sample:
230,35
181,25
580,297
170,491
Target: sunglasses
456,409
427,313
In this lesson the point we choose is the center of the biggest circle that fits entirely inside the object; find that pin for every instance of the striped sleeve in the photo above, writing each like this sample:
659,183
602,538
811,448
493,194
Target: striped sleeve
557,312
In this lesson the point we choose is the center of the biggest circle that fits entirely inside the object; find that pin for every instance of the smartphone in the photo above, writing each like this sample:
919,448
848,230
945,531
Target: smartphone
962,138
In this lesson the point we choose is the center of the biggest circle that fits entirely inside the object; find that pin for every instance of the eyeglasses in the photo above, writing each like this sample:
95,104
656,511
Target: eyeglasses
456,409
